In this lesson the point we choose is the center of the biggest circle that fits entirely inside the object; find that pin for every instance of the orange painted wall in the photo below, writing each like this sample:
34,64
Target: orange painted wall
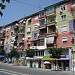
59,40
69,6
34,21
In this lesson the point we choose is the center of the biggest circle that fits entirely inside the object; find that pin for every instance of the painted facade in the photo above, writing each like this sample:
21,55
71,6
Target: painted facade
51,27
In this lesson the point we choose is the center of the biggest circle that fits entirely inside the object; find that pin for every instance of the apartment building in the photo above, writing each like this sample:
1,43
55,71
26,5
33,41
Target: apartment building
54,26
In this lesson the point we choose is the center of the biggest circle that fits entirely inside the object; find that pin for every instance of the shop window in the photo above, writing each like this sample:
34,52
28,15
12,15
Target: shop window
64,40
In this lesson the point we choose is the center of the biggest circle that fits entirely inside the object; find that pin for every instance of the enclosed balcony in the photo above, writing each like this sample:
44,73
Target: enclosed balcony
41,15
42,33
50,21
20,39
42,24
35,35
50,10
41,44
22,29
51,31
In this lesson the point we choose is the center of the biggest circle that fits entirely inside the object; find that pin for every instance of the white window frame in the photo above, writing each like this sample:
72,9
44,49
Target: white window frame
64,40
64,29
29,29
63,17
36,18
62,8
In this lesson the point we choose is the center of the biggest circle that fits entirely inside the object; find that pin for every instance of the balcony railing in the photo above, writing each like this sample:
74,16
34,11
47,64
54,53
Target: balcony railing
38,47
52,33
51,23
41,36
50,13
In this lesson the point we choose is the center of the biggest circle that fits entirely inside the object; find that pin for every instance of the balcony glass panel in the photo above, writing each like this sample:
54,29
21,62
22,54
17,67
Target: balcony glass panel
42,22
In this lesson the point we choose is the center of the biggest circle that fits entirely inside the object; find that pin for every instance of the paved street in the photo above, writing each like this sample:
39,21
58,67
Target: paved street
6,69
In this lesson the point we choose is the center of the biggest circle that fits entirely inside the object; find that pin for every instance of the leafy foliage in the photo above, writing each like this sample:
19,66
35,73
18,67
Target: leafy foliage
56,52
3,6
2,52
30,53
14,53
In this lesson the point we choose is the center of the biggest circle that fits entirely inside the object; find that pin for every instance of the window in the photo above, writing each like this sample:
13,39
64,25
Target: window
36,17
73,1
35,35
28,45
29,38
29,22
73,39
64,29
63,18
64,40
52,20
42,22
36,27
62,7
29,29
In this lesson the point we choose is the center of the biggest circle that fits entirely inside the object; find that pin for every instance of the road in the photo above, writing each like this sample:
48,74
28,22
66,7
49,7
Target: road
6,69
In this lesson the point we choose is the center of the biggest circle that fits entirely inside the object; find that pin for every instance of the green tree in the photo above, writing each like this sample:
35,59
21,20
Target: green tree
55,52
30,53
2,52
14,53
3,6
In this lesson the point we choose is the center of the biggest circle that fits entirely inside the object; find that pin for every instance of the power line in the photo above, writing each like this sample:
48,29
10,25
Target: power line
27,4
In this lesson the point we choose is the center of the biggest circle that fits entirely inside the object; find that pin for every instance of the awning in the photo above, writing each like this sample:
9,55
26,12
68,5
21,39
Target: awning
47,62
48,58
50,40
63,59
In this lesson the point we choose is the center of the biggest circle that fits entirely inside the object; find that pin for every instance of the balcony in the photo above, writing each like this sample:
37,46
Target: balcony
51,34
50,13
42,26
20,41
20,47
41,36
2,36
51,23
42,15
38,47
15,27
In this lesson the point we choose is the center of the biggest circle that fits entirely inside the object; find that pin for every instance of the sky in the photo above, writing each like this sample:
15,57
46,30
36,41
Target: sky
18,9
